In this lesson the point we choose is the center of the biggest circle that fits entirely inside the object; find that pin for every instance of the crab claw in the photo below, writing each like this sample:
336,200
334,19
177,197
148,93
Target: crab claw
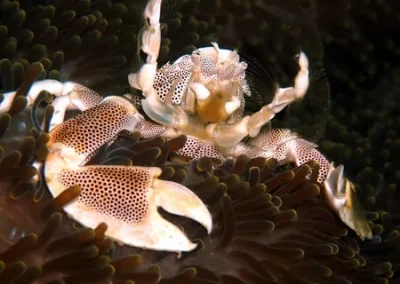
126,199
342,198
178,199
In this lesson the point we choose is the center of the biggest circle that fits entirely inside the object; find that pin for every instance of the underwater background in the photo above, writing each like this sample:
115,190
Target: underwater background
270,224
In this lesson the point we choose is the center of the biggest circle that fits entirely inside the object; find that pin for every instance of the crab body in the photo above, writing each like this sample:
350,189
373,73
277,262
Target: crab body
201,90
199,95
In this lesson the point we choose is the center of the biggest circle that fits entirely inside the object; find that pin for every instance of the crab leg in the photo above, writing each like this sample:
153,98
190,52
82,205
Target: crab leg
282,98
125,197
69,95
148,129
151,41
144,79
196,148
75,96
230,135
52,86
338,190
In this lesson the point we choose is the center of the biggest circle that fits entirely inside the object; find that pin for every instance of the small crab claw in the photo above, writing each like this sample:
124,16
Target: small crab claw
126,198
342,198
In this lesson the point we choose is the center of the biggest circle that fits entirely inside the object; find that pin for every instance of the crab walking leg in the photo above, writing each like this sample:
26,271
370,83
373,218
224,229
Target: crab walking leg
52,86
148,129
144,79
75,96
69,95
196,148
230,135
125,197
151,41
338,190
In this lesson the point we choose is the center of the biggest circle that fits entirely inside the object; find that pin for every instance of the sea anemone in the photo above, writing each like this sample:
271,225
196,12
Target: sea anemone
270,226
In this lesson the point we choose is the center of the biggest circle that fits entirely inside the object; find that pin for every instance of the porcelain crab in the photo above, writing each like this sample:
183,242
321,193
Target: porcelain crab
199,95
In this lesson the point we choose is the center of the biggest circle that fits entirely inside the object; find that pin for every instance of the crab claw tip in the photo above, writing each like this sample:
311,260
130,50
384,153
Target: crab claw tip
177,199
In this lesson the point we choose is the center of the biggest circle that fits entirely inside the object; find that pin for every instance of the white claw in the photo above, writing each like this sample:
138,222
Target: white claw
178,199
164,236
137,193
